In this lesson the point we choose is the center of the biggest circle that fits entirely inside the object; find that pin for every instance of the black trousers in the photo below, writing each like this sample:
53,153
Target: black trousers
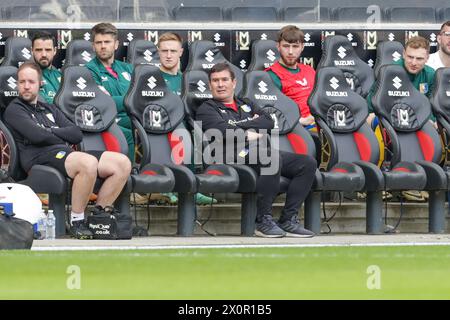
300,169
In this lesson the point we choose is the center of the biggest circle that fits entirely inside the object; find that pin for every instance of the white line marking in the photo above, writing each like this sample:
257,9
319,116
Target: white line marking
234,246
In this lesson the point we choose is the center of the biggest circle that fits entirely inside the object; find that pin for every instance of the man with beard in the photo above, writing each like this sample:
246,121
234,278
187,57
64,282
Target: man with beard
441,58
43,135
294,79
113,75
43,46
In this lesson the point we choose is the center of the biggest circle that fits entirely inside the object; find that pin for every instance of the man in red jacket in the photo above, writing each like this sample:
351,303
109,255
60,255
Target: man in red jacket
294,79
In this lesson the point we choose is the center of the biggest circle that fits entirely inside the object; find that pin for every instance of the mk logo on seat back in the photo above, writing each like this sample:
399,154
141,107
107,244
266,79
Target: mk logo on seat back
403,117
339,118
87,117
155,118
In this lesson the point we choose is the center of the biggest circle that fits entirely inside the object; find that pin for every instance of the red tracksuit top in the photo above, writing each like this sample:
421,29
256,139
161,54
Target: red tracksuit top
297,86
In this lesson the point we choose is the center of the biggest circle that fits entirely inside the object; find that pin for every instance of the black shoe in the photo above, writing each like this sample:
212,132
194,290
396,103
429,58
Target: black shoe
79,230
267,228
293,228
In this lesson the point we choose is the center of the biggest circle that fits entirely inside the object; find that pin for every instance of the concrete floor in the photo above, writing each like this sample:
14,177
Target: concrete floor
161,242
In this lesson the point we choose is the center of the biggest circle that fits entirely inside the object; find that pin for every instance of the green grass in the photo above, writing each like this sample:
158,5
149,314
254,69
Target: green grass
420,272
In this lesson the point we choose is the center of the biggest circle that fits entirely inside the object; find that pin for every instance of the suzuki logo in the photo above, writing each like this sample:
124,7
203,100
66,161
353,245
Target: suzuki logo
81,83
217,37
350,37
130,36
396,56
151,82
342,52
148,55
403,117
201,86
370,62
209,56
87,36
334,83
271,55
262,87
397,82
86,56
432,37
307,37
12,83
1,35
391,37
26,53
264,36
243,64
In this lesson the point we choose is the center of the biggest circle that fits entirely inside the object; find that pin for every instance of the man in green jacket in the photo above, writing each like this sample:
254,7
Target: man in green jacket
414,60
43,46
112,75
170,49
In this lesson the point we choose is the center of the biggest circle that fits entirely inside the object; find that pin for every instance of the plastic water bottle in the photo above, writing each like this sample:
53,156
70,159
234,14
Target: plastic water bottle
50,226
42,225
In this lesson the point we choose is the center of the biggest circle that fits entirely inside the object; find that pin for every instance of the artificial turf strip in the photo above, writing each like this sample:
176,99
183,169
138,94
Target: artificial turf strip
419,272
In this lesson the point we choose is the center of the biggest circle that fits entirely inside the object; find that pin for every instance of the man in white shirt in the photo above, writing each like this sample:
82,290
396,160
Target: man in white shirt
441,58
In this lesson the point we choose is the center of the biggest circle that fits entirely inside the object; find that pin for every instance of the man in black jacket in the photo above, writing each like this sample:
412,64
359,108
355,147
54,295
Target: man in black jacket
43,135
228,115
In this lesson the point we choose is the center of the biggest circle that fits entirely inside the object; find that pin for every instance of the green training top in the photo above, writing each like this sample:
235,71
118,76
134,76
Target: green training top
116,87
51,81
173,81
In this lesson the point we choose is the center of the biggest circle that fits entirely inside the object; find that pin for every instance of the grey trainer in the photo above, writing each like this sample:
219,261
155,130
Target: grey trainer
267,228
293,228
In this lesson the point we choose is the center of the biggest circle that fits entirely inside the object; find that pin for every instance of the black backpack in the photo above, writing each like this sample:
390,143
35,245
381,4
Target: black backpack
15,233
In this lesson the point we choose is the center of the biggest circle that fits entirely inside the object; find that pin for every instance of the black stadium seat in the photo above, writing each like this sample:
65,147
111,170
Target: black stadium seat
355,14
17,51
41,179
264,55
196,91
86,105
253,14
341,115
143,52
443,14
388,52
440,101
143,13
260,89
404,113
338,52
158,116
193,14
411,14
78,53
203,55
305,14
